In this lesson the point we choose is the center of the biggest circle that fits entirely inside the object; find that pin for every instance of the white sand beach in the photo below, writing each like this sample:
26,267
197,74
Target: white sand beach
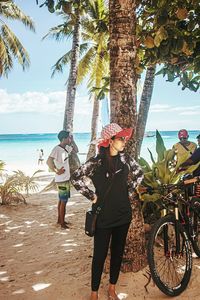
39,261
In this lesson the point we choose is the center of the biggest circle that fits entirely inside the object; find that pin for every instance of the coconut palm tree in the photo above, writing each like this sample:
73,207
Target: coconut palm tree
93,52
10,46
95,61
145,102
123,79
71,27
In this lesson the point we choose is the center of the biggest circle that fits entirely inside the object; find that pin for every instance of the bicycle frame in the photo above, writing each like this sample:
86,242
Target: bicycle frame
182,210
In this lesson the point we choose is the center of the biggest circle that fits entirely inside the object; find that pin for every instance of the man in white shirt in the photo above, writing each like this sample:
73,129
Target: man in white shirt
58,162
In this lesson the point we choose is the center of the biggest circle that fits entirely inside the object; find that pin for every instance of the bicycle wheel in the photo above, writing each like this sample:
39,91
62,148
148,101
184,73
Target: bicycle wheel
170,270
195,230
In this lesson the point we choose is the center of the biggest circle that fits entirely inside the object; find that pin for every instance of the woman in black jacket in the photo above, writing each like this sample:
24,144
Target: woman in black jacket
115,175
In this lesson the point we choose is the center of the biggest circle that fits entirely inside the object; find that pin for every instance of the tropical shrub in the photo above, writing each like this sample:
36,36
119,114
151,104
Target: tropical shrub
9,192
2,165
26,183
163,170
14,186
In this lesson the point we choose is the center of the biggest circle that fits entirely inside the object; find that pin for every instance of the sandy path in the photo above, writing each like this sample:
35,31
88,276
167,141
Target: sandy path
39,261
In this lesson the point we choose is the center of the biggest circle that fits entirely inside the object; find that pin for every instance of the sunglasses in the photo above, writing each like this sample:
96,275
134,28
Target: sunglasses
121,138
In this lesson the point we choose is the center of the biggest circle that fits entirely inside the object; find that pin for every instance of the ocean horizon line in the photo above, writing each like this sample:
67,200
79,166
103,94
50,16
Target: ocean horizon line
88,132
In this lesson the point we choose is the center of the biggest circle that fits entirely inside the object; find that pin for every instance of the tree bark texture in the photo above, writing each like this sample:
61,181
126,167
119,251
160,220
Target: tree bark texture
135,258
94,127
144,106
72,80
123,77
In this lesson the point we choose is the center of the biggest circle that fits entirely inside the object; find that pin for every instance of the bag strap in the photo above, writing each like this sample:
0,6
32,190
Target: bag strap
65,151
186,148
63,148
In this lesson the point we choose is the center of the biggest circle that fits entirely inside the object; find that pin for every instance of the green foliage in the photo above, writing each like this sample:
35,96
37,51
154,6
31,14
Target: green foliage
94,57
168,33
65,6
26,183
101,92
13,187
10,46
95,60
9,192
2,165
160,147
162,171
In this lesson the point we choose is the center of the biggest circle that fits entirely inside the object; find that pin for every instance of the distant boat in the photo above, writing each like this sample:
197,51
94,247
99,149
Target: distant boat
148,134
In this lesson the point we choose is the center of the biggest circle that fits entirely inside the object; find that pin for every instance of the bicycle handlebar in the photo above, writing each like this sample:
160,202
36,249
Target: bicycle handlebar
172,186
192,180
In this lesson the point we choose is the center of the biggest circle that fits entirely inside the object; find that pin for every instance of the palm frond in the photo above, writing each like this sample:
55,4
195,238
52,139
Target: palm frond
6,59
15,46
10,10
60,32
85,64
87,26
83,48
9,43
61,63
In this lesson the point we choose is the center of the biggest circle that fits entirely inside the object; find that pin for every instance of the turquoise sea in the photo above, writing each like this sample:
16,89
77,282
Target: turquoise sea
21,150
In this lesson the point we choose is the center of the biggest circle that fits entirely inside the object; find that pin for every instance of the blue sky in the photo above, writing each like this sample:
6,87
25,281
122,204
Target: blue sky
32,102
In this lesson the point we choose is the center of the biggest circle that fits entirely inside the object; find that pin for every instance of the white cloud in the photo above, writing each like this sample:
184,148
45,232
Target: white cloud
180,110
159,108
40,102
191,113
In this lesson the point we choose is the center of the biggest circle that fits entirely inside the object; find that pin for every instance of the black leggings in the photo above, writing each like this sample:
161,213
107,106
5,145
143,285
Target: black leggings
101,243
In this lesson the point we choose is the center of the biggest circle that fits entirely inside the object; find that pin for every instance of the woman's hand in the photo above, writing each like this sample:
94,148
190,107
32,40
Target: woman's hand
94,200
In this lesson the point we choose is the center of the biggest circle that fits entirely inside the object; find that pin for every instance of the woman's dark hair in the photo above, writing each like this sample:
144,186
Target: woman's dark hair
104,154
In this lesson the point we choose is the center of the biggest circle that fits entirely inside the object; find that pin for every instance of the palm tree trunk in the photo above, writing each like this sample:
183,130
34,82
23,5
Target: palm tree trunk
94,127
71,87
123,77
144,106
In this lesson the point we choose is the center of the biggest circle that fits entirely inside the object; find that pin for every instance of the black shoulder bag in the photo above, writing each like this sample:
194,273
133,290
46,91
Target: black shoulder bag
91,215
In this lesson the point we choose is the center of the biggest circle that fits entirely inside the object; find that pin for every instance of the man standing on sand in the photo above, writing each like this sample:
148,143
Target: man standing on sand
58,162
184,146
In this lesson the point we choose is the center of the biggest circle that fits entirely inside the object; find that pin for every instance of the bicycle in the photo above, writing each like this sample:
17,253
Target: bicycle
172,237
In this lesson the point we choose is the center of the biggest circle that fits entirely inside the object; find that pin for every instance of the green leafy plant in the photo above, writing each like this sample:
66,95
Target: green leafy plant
163,170
11,191
26,183
2,165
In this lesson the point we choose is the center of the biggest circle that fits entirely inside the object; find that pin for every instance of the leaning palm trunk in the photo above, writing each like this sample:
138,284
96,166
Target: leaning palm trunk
144,106
123,81
94,128
72,81
71,88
